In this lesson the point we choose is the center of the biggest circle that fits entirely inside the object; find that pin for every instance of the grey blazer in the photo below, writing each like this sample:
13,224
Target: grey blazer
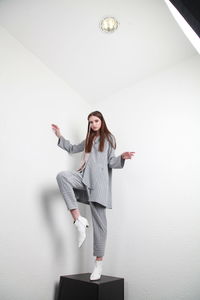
97,175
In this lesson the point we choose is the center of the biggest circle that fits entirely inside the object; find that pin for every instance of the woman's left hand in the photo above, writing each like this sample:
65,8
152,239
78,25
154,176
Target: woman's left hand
127,155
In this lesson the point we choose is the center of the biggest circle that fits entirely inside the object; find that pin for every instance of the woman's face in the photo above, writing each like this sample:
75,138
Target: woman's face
95,123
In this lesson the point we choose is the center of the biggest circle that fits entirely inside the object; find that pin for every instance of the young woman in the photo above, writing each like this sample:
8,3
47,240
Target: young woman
92,182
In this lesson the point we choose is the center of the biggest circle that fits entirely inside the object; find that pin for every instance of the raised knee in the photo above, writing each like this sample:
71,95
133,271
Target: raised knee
62,174
59,175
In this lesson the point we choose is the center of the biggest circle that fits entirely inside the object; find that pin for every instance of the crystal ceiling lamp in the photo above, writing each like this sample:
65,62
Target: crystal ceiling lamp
109,24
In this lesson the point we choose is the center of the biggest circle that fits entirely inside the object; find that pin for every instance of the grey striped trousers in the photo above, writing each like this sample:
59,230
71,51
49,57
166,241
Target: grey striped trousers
67,180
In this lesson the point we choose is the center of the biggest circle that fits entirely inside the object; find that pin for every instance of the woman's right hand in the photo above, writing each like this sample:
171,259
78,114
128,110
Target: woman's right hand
56,129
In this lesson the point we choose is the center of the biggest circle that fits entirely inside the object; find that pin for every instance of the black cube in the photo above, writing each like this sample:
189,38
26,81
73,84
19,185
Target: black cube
80,287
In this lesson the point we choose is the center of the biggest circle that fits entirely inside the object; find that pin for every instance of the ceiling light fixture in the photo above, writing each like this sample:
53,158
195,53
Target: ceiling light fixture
109,24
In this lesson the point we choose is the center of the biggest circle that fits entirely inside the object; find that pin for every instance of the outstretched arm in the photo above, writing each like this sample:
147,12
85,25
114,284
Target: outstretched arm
115,162
66,145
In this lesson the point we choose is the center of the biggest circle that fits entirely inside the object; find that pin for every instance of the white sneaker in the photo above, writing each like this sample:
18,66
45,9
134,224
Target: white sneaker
81,223
96,274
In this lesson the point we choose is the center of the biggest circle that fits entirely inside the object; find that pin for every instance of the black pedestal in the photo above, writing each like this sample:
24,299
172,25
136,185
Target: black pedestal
80,287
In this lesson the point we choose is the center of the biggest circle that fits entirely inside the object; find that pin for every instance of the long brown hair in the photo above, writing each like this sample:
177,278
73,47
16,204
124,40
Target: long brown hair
103,131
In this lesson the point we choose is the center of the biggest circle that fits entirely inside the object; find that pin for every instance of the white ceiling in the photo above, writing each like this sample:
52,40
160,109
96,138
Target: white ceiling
65,35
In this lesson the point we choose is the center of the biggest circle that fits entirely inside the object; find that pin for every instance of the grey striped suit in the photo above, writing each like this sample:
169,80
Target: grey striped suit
91,186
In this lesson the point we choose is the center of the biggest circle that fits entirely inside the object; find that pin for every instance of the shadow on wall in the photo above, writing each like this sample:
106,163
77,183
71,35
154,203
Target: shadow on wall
56,291
48,198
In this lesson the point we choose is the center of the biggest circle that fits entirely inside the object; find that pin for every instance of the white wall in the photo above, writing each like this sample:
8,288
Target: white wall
66,36
153,228
37,237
